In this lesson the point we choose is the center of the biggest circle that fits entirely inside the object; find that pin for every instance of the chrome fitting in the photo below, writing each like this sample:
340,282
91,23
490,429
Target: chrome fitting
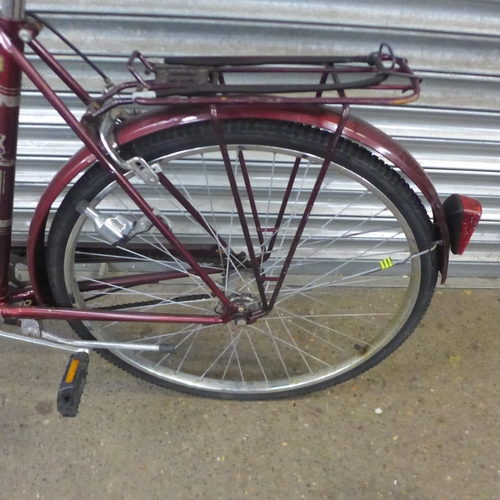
147,172
25,35
113,229
30,328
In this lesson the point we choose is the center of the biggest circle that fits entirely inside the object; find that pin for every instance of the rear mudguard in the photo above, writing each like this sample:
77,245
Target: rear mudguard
163,118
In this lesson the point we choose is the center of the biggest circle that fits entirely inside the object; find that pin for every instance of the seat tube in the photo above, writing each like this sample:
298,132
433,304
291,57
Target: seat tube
10,93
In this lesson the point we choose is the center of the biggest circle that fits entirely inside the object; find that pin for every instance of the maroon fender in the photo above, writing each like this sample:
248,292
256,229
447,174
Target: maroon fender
167,117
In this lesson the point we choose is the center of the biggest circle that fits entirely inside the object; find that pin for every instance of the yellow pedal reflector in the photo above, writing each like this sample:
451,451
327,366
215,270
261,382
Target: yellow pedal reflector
386,263
72,371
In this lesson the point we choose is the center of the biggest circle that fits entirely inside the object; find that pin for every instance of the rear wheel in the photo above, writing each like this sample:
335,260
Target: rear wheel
360,280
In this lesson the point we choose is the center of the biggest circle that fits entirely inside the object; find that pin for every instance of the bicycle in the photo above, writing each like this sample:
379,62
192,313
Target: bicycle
226,239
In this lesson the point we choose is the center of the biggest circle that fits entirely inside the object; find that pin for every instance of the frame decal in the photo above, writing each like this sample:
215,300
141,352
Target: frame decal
9,97
4,162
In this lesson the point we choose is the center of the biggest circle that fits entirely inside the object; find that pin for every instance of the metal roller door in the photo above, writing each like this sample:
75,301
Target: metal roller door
453,130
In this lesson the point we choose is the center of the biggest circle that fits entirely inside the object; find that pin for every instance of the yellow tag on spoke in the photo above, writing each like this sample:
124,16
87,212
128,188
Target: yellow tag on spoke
386,263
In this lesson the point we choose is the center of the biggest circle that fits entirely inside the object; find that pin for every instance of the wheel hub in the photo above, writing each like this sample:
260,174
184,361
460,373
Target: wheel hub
241,289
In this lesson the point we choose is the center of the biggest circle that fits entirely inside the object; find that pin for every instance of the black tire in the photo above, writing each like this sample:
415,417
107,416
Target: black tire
358,167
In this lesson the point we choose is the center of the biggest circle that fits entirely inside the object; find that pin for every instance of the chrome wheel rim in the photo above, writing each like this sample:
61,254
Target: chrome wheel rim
296,312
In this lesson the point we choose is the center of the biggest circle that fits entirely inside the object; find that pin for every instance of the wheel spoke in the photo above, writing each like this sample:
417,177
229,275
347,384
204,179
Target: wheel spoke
295,343
305,353
256,356
228,346
307,318
278,351
196,332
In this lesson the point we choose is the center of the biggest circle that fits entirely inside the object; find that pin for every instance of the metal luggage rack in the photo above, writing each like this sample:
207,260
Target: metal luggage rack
202,80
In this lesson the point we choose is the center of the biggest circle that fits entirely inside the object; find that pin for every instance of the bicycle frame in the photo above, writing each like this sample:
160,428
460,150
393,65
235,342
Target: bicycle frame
14,32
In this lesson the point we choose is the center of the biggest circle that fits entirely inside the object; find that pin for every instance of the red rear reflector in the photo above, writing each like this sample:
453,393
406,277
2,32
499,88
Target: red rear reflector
462,216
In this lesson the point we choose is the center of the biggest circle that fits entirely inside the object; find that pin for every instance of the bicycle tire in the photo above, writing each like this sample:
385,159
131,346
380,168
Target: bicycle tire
355,175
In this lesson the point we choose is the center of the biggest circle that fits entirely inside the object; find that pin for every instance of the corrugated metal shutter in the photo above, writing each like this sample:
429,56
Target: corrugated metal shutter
453,130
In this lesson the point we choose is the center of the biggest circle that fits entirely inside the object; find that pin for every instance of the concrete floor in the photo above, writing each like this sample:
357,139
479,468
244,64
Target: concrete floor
436,437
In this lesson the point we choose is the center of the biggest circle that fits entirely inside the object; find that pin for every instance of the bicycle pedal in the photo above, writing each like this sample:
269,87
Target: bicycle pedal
72,384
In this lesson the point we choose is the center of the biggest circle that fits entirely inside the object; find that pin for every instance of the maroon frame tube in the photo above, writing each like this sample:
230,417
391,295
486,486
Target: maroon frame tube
10,90
253,205
219,132
85,137
17,312
139,279
22,295
284,202
330,151
25,294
